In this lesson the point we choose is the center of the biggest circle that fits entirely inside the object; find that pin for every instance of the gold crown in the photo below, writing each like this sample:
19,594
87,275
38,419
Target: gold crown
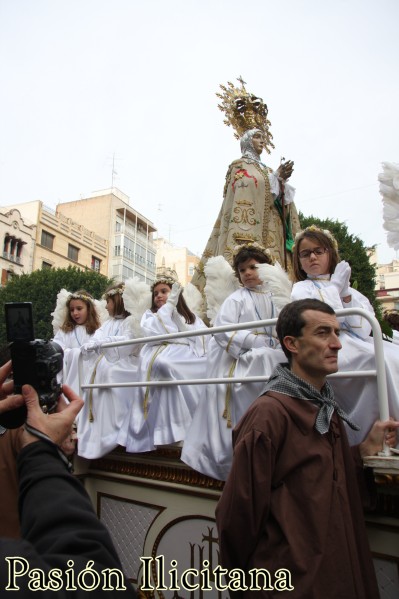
244,111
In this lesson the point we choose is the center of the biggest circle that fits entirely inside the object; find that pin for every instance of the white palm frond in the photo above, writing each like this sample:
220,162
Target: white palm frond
389,190
220,283
278,282
136,296
60,313
101,310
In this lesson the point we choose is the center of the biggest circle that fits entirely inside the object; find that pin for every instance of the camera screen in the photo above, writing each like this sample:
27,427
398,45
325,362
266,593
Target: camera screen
19,321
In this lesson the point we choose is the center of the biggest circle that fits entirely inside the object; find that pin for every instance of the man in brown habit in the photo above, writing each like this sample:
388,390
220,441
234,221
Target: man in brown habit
292,501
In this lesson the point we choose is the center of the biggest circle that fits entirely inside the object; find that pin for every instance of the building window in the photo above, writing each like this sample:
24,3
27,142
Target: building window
95,263
47,240
127,273
7,247
73,252
191,270
6,275
12,248
46,265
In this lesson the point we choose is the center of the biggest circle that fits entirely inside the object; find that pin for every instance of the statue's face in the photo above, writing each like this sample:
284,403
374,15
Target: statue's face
258,142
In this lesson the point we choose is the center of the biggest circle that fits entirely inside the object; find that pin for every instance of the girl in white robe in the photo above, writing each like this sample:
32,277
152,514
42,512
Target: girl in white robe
322,276
105,410
249,352
77,318
162,415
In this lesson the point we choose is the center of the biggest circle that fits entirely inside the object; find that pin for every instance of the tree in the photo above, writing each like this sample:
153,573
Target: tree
353,250
41,288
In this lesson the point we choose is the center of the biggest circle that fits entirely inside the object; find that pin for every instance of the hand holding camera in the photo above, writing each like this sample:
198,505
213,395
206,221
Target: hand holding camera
56,426
34,362
7,400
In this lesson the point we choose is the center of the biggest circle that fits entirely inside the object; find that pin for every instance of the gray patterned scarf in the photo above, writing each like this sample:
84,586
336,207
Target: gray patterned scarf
283,380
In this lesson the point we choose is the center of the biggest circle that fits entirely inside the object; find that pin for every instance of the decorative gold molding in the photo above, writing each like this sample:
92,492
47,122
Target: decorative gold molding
385,479
150,466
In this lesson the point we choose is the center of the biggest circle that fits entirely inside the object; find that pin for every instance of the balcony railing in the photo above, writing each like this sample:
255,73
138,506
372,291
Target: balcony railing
12,258
379,372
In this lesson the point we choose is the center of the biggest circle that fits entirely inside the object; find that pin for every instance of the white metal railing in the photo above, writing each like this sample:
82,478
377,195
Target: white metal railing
378,372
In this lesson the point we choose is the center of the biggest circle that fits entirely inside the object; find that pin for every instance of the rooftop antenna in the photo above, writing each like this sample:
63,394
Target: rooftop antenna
159,209
113,169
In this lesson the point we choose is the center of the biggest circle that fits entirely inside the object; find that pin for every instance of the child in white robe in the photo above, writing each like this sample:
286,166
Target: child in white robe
321,275
75,321
250,352
161,415
105,409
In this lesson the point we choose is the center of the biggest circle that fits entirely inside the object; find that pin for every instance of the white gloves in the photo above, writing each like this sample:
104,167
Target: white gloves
259,341
253,341
341,278
90,348
174,294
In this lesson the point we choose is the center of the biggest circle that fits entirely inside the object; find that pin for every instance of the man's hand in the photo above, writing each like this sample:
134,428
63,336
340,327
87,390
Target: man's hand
69,444
7,401
380,431
56,426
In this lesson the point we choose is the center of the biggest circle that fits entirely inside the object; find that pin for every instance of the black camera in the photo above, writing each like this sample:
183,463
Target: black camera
34,362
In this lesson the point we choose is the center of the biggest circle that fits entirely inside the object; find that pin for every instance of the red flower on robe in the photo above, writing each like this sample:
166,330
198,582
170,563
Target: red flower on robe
240,174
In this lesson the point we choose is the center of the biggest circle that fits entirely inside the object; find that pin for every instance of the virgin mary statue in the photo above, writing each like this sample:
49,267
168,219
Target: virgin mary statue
257,203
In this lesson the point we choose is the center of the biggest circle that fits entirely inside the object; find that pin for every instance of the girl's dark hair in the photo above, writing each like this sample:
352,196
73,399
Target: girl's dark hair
246,254
92,322
324,241
392,318
119,306
181,305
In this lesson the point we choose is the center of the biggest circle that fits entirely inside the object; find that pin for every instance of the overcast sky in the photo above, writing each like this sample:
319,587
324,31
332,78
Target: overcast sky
84,81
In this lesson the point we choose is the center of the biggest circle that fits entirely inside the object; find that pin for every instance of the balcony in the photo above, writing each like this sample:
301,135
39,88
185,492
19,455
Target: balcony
12,258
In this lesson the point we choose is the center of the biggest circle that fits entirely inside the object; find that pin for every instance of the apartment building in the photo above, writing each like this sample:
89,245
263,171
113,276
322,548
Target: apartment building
387,285
61,241
131,250
177,259
18,237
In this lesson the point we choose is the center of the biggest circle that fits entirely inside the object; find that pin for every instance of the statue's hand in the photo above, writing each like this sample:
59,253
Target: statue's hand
285,170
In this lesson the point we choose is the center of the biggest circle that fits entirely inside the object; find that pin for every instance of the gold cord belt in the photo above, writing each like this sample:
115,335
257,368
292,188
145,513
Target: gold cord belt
227,411
93,376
